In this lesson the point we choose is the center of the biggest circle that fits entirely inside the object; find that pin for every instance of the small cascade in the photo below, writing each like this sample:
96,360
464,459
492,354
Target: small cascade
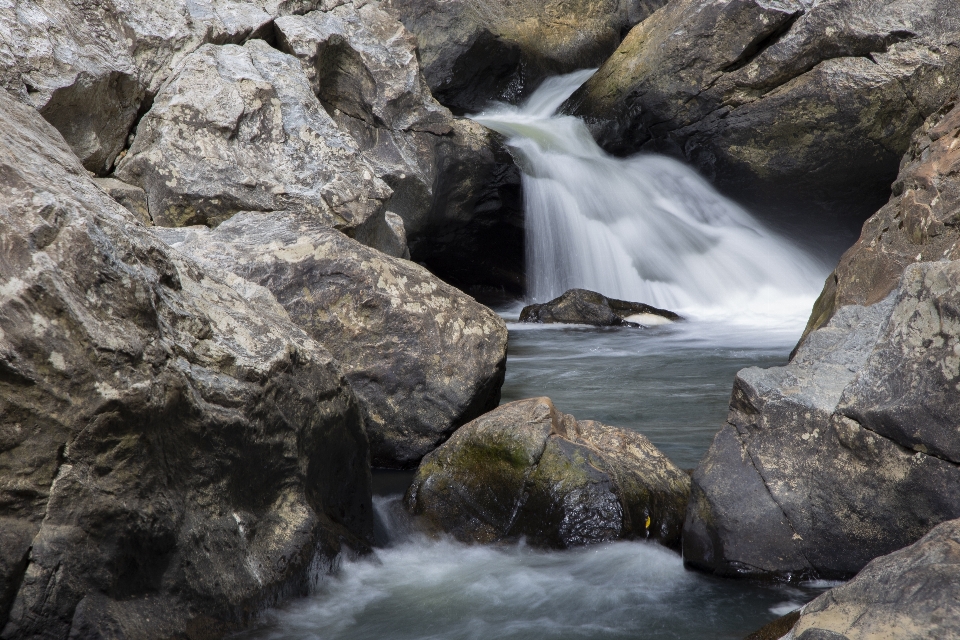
645,228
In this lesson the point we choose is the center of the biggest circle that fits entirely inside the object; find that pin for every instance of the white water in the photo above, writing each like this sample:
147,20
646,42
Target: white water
646,228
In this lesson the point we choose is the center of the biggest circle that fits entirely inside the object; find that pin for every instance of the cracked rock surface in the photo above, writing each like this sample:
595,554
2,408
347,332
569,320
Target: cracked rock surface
422,357
525,470
909,595
847,453
174,457
796,105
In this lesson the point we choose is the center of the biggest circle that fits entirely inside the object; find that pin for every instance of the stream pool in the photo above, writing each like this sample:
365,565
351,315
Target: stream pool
671,383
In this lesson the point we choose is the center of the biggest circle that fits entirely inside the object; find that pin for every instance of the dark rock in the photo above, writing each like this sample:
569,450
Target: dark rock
527,470
422,357
909,595
780,102
776,629
476,52
173,457
455,186
579,306
918,224
847,453
133,199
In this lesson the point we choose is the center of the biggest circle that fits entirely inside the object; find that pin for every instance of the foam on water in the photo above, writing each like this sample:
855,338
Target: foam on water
646,228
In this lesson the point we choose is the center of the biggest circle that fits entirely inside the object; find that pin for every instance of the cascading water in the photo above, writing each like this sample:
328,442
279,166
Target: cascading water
645,228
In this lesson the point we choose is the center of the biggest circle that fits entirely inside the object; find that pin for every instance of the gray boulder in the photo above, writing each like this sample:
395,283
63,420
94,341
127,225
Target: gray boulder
910,594
455,186
527,470
91,67
239,129
476,51
174,457
580,306
422,357
781,101
847,453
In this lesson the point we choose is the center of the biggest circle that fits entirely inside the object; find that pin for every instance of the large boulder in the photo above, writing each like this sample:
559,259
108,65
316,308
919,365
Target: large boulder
527,470
476,51
239,129
789,105
174,456
847,453
91,67
908,595
917,224
580,306
422,357
455,186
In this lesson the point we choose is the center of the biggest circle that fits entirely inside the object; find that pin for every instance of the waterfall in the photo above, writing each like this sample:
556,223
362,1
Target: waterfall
645,228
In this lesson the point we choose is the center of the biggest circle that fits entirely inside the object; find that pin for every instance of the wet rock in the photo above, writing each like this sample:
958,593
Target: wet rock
780,102
847,453
909,595
527,470
422,357
580,306
239,129
454,184
475,52
173,457
91,67
917,224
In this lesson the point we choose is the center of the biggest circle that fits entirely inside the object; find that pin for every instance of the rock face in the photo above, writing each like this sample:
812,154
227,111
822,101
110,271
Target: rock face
909,594
90,67
454,184
527,470
475,51
579,306
918,224
173,456
422,357
779,102
239,129
847,453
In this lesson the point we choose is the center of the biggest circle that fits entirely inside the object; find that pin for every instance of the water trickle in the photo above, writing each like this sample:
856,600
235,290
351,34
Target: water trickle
645,228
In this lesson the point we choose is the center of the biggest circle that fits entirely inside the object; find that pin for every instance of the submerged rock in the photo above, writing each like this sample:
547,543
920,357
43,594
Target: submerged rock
527,470
910,594
173,457
849,452
475,52
918,224
422,357
580,306
454,184
780,102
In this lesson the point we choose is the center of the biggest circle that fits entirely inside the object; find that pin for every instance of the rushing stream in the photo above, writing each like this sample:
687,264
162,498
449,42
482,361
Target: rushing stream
646,229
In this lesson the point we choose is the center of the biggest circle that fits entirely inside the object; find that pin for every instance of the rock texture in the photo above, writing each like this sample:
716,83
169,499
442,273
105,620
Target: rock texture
91,67
908,595
475,51
454,184
786,104
918,224
239,129
422,357
173,457
580,306
847,453
527,470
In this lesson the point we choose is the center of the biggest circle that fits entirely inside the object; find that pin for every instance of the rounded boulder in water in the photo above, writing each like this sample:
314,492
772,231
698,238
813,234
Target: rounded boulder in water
580,306
526,470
